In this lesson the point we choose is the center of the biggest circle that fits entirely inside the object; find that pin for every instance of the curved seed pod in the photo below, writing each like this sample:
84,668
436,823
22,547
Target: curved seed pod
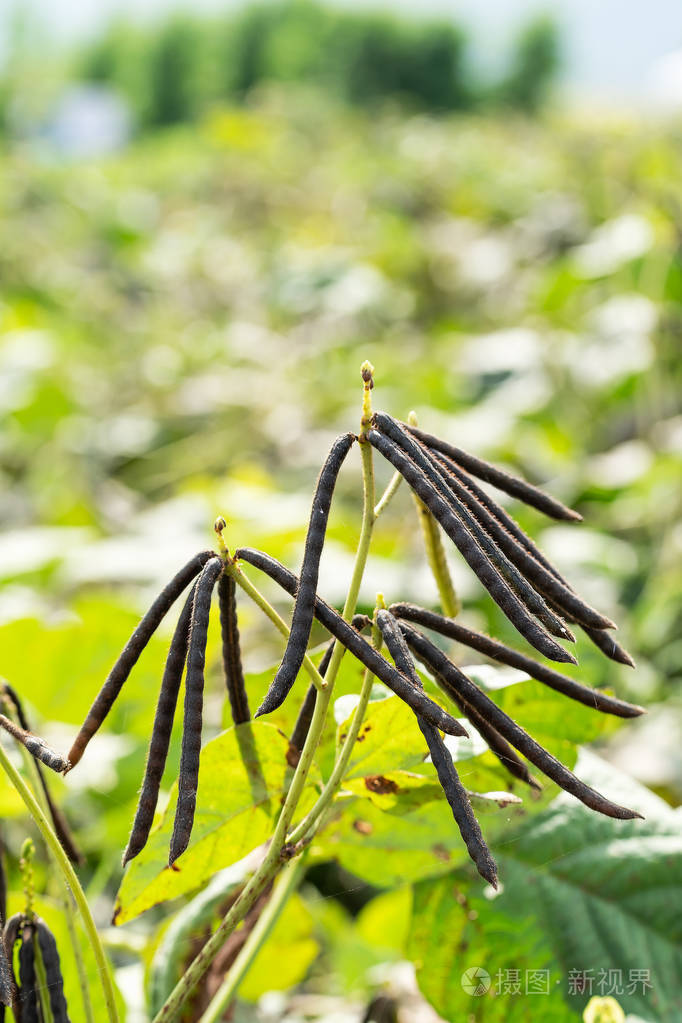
132,650
512,485
161,732
28,982
302,618
9,937
53,972
6,979
453,789
505,655
497,745
232,659
59,822
503,596
433,471
608,645
332,621
450,678
35,746
194,703
526,559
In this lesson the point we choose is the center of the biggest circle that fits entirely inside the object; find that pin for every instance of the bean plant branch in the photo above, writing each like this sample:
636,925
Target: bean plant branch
286,884
70,879
272,862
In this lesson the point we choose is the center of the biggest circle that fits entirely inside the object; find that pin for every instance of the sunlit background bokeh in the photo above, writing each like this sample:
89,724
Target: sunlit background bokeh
212,215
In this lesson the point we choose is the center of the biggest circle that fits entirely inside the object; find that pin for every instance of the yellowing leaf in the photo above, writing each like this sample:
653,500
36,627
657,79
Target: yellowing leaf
243,778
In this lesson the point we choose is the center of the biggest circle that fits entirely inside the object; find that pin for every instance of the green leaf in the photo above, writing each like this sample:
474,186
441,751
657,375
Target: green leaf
243,778
581,893
389,739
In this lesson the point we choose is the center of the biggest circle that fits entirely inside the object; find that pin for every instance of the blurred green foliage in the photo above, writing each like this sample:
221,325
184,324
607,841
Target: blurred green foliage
174,70
181,330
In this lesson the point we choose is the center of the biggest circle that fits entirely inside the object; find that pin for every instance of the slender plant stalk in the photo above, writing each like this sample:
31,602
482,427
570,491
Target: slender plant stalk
272,862
70,879
67,897
387,496
435,552
286,884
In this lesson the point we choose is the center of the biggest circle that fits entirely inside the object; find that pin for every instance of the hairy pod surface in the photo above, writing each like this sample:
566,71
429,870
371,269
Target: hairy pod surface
333,622
232,658
53,972
449,677
525,557
161,732
302,618
501,593
453,789
497,651
512,485
35,746
127,660
433,471
194,702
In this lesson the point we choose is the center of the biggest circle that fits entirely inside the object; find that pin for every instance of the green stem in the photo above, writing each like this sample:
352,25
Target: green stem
257,597
272,862
287,883
70,879
67,898
387,495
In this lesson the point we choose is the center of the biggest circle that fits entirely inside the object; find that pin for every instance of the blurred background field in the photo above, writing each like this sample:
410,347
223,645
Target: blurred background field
185,304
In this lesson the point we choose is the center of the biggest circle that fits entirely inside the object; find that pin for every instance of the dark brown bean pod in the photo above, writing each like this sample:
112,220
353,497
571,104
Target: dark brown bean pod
59,821
305,714
28,981
503,596
161,732
8,938
446,487
608,646
132,650
35,746
453,789
194,703
525,557
512,485
449,677
593,698
6,978
53,972
359,647
302,618
232,658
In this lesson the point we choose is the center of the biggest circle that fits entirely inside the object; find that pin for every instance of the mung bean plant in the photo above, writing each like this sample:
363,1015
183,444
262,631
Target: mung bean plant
389,645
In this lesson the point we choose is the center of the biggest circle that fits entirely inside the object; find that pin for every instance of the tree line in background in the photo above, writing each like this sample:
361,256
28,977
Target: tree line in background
171,71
